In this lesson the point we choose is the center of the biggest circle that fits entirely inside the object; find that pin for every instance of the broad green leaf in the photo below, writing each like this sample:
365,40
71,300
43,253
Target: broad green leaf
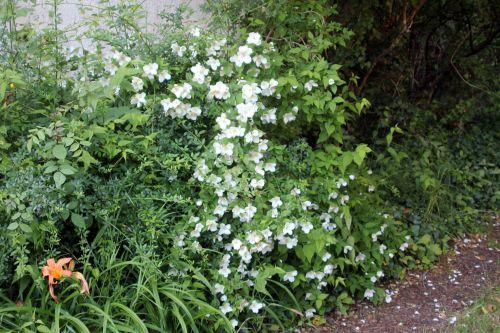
78,220
59,152
59,178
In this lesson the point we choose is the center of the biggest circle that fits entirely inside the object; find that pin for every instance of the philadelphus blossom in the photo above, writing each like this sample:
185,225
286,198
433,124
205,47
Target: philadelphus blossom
250,92
213,63
182,91
269,117
178,50
310,313
138,99
164,76
276,202
199,73
290,276
254,38
219,91
245,111
137,83
223,121
150,70
242,57
255,306
268,87
310,85
288,117
369,293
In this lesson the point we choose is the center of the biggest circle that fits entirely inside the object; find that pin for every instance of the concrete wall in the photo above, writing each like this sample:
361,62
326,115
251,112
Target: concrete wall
71,11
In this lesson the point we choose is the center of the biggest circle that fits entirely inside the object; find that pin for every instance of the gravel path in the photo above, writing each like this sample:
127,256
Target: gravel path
429,301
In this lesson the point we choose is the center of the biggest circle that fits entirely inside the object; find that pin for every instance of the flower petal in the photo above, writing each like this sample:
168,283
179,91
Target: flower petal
63,261
85,286
52,293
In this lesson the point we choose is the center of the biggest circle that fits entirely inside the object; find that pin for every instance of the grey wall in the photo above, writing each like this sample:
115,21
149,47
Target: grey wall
71,14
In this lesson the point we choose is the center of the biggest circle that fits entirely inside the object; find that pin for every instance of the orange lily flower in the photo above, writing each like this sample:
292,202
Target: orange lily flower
62,268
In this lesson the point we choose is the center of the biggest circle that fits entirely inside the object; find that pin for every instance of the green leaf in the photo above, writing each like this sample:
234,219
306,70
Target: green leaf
67,169
78,220
13,226
309,251
59,178
59,152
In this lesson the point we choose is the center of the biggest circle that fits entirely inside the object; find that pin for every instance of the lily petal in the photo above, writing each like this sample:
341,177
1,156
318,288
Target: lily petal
85,286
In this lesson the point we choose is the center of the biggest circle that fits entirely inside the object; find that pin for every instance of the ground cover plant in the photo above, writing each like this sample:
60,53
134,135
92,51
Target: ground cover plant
190,180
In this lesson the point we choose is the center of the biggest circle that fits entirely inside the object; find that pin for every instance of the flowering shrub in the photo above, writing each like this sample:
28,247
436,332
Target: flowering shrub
202,178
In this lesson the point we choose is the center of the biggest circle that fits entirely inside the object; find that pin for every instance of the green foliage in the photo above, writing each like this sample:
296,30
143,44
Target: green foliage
180,223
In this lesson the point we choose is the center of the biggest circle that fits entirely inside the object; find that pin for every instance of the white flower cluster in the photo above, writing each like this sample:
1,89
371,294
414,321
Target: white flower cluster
242,221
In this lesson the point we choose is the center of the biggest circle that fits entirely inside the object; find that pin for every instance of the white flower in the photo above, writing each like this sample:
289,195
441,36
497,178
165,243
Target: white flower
193,113
310,313
328,269
254,238
295,191
382,248
255,306
224,271
234,323
369,293
270,167
195,32
360,257
250,92
254,38
373,279
224,229
224,149
121,58
310,85
289,228
257,183
178,50
245,111
137,83
352,177
269,117
213,63
261,61
289,242
138,99
290,276
288,117
150,70
276,202
182,91
253,136
307,227
222,121
243,56
225,308
164,76
347,248
403,246
236,243
199,73
268,87
331,81
219,91
234,132
326,256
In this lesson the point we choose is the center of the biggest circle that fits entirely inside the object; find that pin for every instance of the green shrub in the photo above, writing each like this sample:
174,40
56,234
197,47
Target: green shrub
203,183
